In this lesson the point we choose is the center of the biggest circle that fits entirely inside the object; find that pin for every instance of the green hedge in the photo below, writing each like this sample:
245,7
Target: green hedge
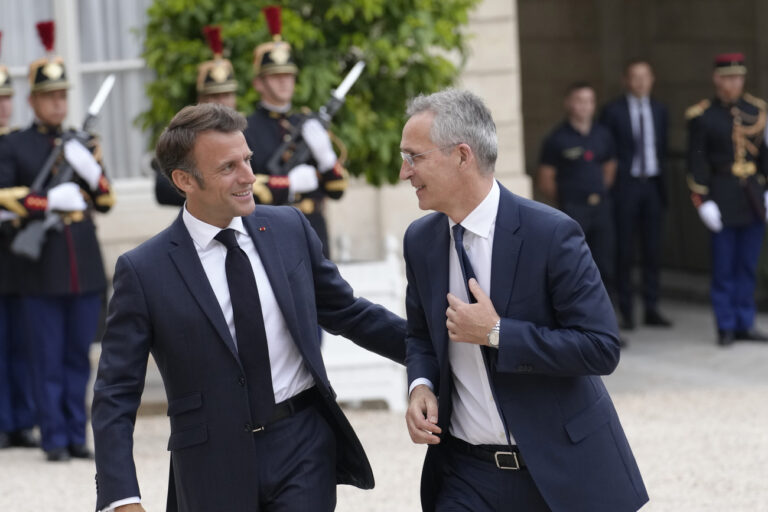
409,46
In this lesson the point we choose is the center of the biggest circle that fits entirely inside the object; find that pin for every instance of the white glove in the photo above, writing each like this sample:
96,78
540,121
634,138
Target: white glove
319,144
82,162
6,215
302,178
765,200
710,216
66,198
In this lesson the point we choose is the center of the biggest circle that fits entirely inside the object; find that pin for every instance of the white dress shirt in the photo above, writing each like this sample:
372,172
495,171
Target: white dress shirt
289,375
475,417
642,107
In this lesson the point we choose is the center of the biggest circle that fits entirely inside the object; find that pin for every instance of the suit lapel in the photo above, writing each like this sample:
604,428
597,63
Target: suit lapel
184,255
506,251
628,122
436,259
266,246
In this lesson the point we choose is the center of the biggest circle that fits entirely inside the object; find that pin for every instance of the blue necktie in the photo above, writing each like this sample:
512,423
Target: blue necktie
641,141
466,265
249,328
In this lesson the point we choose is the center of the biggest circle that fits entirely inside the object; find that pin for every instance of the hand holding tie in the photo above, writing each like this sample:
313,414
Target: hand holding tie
470,323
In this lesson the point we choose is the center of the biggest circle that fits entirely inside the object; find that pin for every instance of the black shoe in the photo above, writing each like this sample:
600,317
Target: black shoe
725,338
24,439
627,324
80,451
751,335
655,319
57,455
5,441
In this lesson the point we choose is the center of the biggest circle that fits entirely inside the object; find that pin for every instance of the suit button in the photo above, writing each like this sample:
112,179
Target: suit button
241,381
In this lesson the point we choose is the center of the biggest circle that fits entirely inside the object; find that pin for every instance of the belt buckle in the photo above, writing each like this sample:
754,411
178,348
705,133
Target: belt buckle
501,465
593,199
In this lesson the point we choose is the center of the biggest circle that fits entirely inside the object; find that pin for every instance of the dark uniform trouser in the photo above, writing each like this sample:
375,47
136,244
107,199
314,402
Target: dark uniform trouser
59,331
16,405
597,223
639,210
735,254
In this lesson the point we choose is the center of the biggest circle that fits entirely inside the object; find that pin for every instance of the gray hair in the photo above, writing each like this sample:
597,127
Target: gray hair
174,149
460,117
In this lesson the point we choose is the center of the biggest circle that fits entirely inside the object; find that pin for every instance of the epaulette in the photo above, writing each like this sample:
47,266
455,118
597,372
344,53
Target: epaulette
696,110
755,101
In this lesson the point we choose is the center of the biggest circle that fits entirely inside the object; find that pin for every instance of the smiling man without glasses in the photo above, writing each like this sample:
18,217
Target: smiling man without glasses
228,300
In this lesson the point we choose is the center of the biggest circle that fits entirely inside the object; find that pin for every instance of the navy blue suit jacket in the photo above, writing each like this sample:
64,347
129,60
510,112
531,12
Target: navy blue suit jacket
558,332
163,304
615,117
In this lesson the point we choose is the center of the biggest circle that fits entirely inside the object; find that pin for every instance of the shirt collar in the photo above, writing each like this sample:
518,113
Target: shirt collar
203,233
632,99
481,220
274,108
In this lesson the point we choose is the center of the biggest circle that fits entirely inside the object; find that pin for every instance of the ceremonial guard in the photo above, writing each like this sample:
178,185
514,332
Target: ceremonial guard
61,289
16,405
727,168
215,84
306,185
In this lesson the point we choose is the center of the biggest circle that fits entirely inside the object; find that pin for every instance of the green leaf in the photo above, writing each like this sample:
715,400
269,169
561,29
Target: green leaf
404,44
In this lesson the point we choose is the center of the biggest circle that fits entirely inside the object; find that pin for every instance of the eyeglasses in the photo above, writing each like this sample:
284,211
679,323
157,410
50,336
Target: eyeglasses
407,157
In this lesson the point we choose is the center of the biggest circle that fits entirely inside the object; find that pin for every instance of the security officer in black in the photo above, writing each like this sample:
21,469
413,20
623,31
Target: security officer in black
307,185
577,168
215,84
17,414
728,170
61,292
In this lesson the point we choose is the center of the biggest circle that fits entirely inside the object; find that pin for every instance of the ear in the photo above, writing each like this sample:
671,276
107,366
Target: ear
257,84
183,180
466,156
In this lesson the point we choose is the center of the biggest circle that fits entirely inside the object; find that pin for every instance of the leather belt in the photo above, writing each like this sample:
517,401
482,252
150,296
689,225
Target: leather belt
289,407
503,456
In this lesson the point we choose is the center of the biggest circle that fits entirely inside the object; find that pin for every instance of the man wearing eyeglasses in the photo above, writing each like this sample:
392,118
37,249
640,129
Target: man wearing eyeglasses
509,327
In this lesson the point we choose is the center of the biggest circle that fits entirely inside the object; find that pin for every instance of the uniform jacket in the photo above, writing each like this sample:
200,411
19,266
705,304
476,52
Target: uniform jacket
558,333
616,118
732,175
264,135
163,304
71,260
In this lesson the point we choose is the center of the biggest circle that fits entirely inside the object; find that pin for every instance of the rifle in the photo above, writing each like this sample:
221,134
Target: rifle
294,150
29,241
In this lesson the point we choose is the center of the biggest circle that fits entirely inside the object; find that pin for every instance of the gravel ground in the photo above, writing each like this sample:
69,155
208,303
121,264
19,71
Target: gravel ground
696,417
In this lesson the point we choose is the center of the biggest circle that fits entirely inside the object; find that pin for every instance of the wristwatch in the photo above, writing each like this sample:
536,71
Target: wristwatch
493,335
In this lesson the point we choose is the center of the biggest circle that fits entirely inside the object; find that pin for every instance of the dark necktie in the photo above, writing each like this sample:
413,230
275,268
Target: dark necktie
641,139
489,355
466,265
249,328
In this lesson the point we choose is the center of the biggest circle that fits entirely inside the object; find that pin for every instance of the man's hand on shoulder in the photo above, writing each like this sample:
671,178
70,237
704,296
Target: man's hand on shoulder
471,323
131,507
421,416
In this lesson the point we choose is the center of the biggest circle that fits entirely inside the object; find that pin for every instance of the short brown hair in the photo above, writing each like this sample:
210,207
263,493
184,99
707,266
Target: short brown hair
174,149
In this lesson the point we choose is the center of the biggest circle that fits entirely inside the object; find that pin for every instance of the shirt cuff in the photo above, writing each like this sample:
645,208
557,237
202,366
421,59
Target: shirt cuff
127,501
419,381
